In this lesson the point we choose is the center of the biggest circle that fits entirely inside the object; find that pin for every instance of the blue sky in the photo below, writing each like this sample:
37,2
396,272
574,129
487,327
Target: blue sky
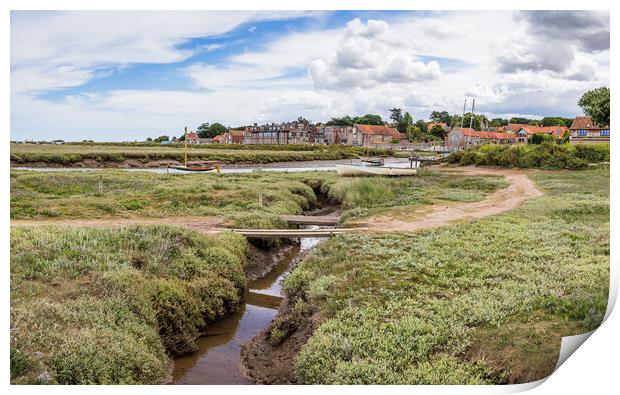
126,75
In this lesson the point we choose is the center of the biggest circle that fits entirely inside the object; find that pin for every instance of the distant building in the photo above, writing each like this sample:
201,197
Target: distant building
526,131
192,138
368,135
464,137
337,134
583,130
283,133
230,137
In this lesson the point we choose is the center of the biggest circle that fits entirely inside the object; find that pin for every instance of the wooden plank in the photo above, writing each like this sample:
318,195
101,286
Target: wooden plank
292,233
311,220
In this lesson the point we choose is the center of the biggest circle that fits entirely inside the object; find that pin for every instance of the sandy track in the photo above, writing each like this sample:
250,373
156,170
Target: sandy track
521,189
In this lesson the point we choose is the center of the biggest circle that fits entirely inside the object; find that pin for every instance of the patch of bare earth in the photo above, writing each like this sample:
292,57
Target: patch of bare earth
521,188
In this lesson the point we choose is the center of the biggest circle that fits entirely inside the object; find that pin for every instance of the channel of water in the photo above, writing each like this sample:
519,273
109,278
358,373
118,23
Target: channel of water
217,359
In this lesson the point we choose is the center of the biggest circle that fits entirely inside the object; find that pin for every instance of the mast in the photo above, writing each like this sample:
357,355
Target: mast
471,119
463,117
185,146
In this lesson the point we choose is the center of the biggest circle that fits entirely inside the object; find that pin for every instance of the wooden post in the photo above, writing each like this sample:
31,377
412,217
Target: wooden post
260,199
100,186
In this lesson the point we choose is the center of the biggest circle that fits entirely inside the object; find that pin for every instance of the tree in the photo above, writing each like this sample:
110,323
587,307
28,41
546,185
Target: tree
539,138
497,122
149,139
342,121
405,123
420,124
438,131
556,121
396,115
207,130
303,120
595,103
162,138
440,116
369,119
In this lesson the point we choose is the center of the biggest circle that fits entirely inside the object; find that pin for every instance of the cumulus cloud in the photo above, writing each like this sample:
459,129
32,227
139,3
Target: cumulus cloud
588,29
369,54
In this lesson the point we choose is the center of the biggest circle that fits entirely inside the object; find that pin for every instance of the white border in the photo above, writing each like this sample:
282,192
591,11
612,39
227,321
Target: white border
593,367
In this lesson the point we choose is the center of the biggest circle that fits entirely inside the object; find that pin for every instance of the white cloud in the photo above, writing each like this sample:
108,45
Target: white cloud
418,62
370,54
72,44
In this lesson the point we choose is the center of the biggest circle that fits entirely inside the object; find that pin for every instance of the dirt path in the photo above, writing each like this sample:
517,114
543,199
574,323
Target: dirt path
521,188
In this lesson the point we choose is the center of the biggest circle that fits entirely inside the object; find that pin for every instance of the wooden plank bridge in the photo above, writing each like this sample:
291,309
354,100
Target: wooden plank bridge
325,220
290,233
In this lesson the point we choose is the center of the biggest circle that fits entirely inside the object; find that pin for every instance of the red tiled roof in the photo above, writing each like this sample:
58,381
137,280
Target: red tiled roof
374,129
192,136
556,131
516,126
583,123
469,132
431,124
395,133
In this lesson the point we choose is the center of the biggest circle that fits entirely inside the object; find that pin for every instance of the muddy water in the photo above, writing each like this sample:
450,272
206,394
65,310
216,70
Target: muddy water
219,353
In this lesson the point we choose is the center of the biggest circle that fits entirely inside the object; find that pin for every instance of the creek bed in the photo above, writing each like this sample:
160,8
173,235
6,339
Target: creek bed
219,350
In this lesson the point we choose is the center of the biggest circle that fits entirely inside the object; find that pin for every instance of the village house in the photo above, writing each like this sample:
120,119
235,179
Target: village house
337,134
583,130
230,137
443,125
464,137
526,131
192,138
369,135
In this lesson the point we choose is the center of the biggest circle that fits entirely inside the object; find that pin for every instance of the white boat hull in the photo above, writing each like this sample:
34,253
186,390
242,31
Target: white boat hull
350,170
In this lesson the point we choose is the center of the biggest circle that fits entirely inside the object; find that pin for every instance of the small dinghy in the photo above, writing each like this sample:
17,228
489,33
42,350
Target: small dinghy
351,170
186,168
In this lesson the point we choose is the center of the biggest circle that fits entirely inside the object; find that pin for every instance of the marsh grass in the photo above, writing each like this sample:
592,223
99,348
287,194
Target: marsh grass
545,156
237,197
106,305
413,308
71,154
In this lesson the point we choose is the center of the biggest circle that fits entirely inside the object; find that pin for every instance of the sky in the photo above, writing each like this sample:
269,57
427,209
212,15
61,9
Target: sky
128,75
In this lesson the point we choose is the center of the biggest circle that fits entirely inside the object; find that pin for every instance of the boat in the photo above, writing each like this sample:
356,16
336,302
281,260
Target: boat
214,167
373,161
352,170
186,168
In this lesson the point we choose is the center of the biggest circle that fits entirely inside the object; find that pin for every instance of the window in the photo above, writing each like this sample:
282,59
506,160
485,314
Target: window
582,133
604,132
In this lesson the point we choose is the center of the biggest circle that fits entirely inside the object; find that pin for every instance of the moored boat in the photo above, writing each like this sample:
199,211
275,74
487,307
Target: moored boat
351,170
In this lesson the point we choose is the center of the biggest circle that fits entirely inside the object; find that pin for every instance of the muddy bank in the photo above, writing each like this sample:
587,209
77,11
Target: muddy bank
263,363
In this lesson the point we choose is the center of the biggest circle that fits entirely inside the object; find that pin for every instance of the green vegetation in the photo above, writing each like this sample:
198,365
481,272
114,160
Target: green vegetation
236,197
366,196
40,195
595,103
546,155
140,154
105,305
482,302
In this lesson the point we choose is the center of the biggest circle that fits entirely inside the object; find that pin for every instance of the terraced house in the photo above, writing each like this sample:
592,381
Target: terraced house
283,133
583,130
